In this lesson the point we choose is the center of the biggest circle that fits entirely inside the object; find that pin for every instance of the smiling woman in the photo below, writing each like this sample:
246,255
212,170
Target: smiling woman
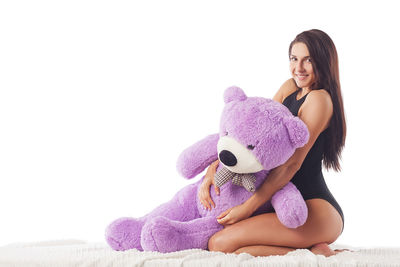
314,69
301,66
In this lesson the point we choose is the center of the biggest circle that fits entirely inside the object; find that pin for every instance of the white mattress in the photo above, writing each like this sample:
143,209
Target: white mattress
80,253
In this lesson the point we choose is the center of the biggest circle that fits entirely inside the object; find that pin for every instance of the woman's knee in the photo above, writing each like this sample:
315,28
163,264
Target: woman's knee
219,242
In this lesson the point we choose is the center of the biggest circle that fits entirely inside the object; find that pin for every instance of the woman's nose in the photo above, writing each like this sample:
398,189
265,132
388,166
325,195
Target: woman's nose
299,66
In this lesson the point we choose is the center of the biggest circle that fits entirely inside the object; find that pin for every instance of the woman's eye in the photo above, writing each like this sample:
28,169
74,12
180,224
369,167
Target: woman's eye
293,59
251,147
309,60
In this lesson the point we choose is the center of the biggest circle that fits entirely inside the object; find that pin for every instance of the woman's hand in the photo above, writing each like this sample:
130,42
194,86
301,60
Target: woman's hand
234,215
204,192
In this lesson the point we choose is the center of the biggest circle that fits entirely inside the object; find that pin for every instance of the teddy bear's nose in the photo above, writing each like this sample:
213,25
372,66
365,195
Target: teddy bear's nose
227,158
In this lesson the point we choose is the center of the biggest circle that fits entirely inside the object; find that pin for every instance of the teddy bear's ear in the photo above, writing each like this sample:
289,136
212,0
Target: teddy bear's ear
297,130
234,93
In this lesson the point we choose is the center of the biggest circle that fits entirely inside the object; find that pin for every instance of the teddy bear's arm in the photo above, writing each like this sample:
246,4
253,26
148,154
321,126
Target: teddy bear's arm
290,206
194,159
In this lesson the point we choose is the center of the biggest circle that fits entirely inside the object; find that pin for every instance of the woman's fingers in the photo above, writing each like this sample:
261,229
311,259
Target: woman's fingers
216,188
233,215
225,220
224,214
209,202
205,198
205,202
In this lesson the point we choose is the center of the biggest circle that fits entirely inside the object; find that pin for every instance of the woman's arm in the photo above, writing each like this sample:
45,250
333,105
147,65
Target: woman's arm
316,113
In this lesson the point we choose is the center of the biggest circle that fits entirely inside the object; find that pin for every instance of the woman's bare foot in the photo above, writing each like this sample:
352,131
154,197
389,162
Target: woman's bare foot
323,249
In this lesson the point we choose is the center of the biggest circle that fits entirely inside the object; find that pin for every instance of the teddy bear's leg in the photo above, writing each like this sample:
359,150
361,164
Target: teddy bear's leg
165,235
124,233
290,206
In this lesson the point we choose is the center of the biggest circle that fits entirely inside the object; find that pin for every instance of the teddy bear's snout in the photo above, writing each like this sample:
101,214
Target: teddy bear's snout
227,158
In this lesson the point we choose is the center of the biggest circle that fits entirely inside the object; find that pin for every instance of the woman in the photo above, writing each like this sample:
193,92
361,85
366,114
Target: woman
314,95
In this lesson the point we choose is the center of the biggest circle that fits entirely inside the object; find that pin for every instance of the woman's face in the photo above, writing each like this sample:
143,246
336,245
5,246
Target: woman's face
301,66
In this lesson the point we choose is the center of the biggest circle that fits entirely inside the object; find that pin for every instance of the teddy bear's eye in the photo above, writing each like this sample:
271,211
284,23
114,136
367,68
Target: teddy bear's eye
251,147
226,133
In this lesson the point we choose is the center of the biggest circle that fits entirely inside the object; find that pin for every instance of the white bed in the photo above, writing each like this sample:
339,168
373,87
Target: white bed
80,253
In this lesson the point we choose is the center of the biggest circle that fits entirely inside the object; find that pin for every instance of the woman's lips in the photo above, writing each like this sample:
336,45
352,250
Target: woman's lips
301,77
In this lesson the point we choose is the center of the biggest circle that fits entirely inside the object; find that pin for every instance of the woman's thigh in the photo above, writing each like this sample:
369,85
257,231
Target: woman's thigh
323,224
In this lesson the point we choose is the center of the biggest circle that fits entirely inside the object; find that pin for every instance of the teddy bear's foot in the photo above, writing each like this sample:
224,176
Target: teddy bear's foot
124,234
164,235
161,234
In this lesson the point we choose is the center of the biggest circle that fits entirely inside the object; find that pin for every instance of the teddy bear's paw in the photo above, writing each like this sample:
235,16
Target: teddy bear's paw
162,235
290,206
124,234
293,219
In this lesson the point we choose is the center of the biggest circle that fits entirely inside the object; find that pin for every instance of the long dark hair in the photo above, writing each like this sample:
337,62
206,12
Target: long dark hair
325,63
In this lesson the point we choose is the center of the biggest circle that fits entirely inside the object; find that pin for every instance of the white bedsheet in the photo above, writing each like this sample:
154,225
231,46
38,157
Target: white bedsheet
80,253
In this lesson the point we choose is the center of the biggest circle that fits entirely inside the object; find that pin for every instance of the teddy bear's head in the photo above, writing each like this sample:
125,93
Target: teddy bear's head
257,133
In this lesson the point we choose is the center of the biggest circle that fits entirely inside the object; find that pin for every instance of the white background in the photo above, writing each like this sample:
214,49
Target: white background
98,98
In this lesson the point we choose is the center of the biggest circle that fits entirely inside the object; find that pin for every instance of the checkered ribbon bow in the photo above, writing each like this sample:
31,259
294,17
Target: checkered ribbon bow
246,180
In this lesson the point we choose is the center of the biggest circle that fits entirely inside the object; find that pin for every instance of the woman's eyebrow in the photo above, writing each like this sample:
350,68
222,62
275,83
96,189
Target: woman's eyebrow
306,57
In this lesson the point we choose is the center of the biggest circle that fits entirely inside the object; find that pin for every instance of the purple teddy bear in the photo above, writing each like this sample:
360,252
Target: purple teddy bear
256,135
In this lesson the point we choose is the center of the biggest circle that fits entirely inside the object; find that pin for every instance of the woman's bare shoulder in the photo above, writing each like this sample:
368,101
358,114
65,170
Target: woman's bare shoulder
318,105
320,96
287,88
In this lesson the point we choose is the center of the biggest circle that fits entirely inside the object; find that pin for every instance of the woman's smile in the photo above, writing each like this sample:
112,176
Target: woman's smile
302,77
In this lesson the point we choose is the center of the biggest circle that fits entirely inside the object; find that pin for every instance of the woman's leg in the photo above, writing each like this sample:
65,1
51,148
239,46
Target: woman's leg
265,235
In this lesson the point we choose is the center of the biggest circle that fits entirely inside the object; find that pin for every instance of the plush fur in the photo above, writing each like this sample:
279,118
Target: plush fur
258,134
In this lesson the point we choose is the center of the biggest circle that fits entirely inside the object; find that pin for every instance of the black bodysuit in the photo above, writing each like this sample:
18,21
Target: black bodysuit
309,179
